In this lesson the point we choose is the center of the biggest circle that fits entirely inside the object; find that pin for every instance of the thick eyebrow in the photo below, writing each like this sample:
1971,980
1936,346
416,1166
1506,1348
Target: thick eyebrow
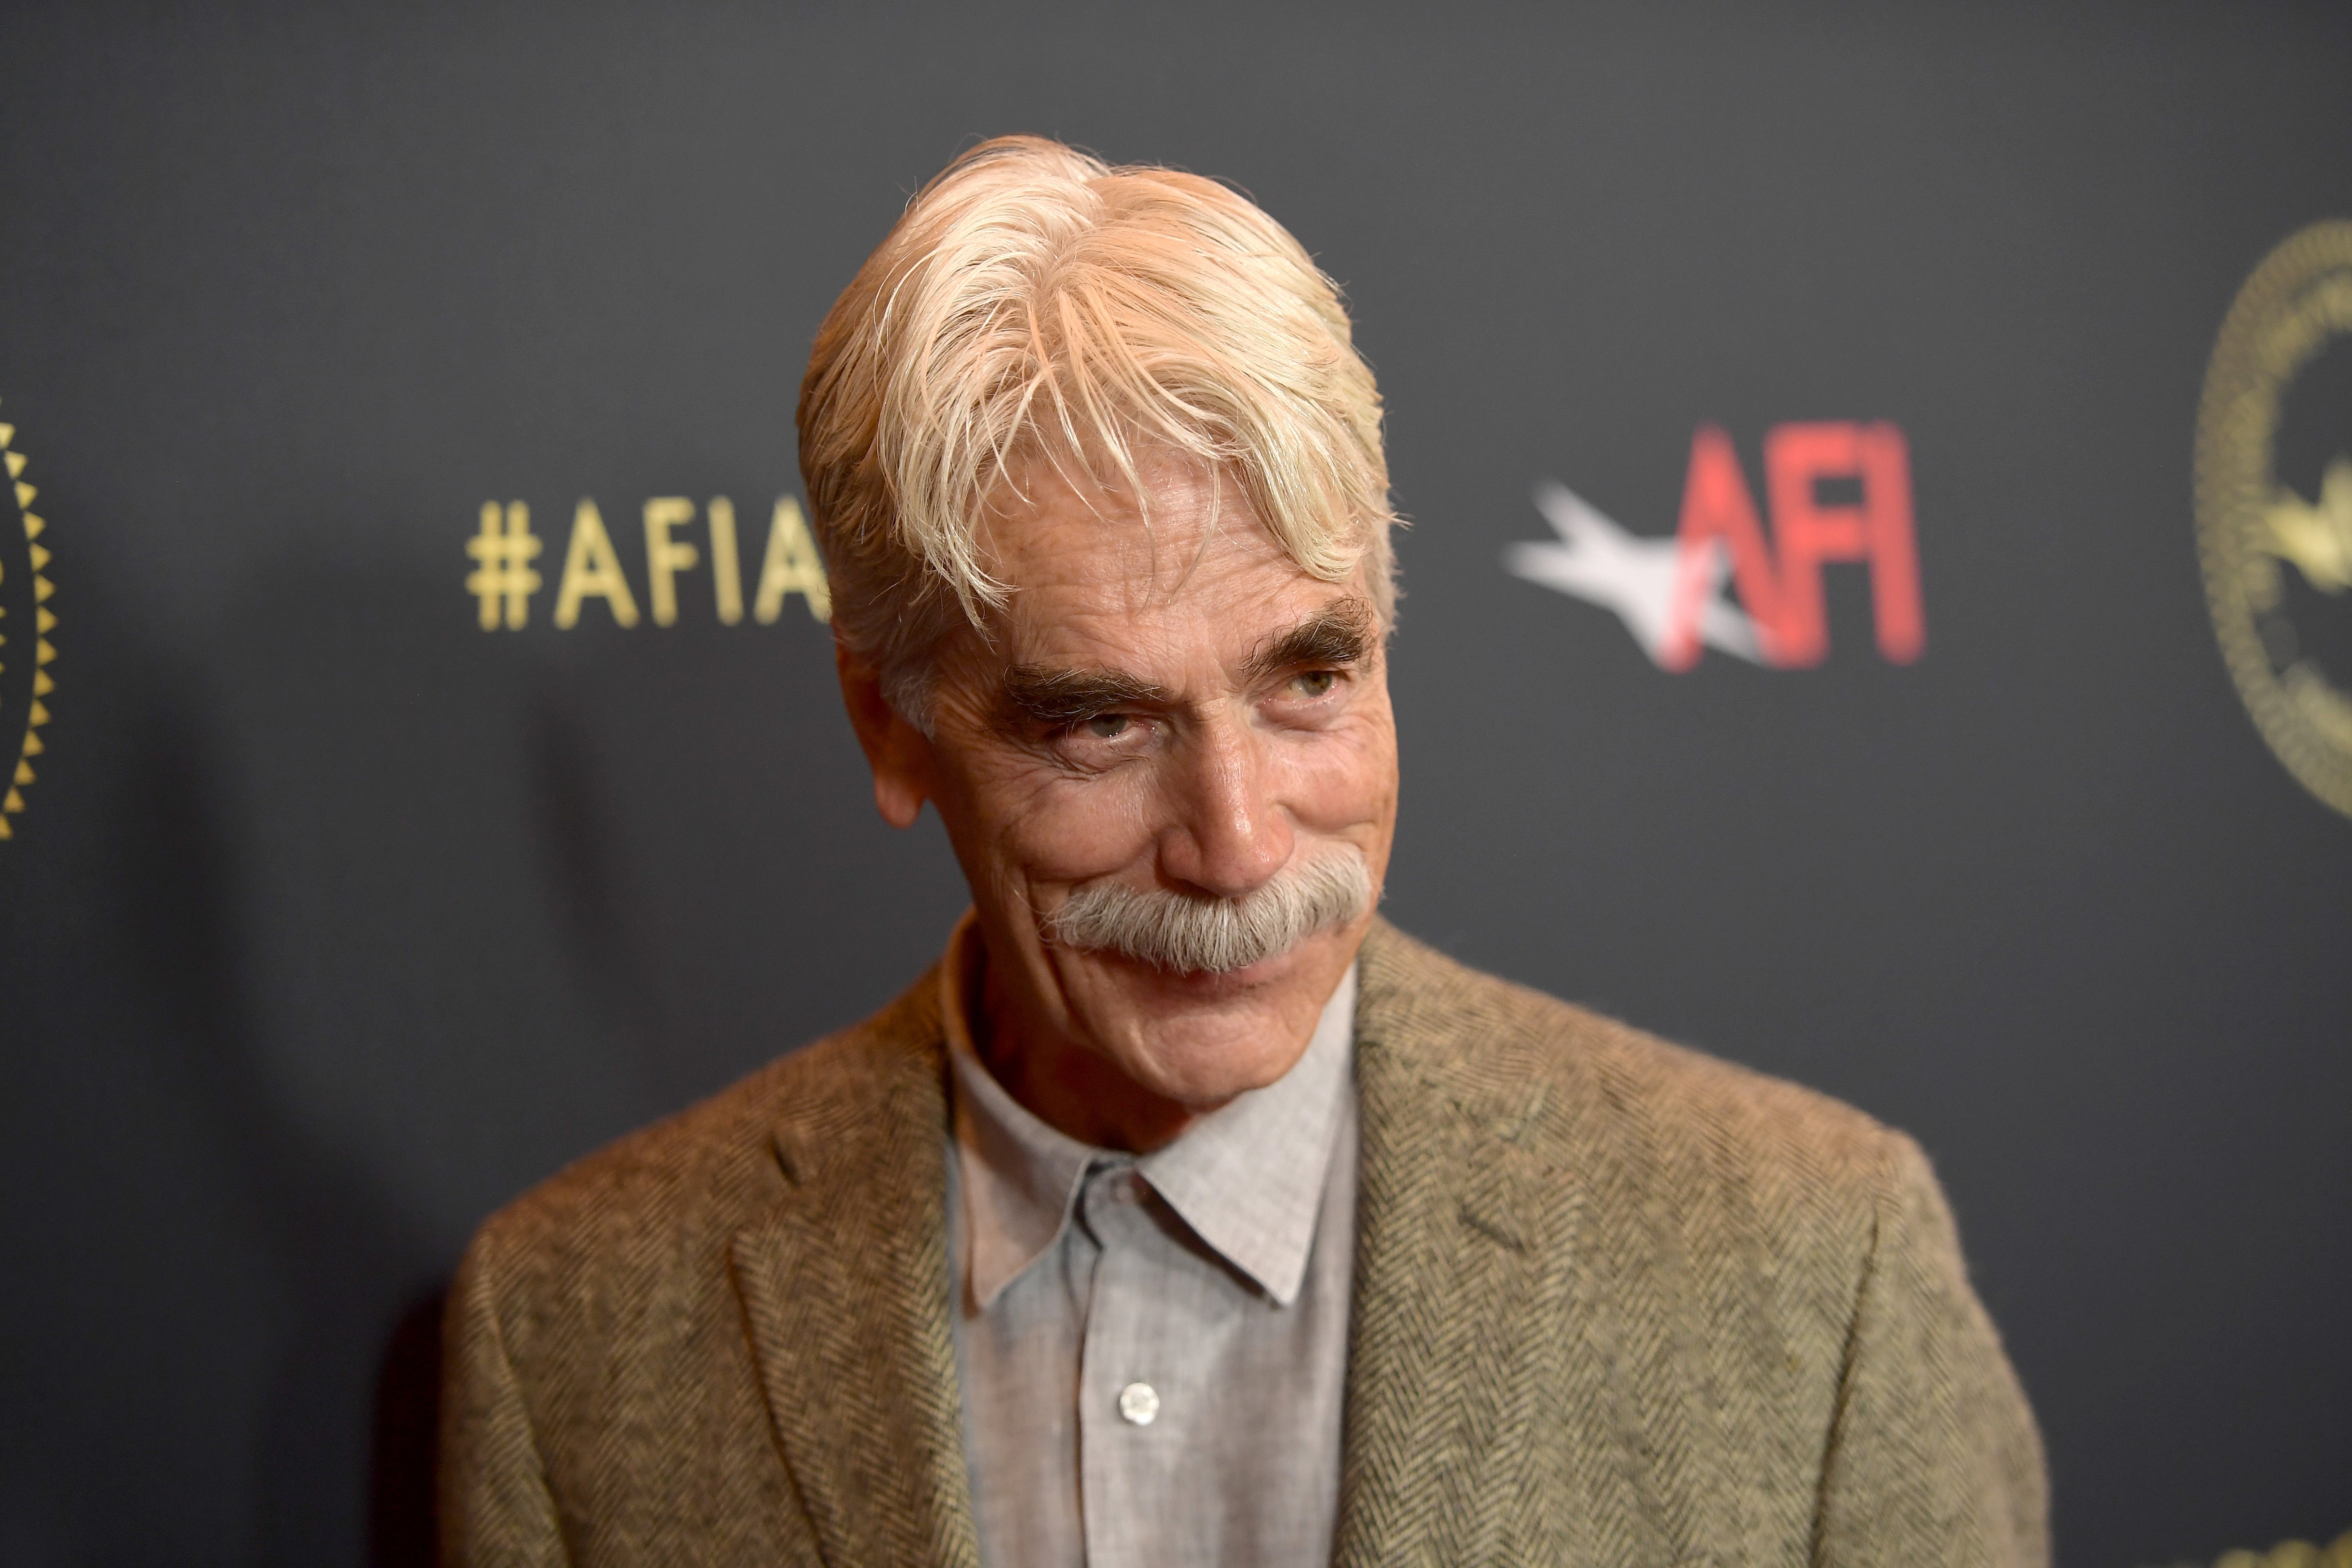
1339,633
1046,695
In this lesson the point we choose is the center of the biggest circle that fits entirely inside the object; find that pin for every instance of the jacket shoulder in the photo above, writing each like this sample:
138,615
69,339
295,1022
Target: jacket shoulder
668,1186
1591,1089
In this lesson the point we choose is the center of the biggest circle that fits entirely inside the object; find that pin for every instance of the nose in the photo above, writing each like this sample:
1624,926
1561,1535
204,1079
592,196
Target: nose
1229,833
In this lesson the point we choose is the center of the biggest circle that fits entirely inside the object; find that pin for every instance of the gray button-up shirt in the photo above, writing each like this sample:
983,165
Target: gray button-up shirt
1153,1350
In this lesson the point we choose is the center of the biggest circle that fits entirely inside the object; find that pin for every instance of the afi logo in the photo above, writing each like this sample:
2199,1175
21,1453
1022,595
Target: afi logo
1839,491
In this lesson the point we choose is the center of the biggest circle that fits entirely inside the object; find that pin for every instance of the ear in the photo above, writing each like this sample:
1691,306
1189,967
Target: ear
897,752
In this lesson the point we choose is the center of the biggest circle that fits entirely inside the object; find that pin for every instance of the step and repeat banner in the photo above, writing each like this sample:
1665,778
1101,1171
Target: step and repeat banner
1878,607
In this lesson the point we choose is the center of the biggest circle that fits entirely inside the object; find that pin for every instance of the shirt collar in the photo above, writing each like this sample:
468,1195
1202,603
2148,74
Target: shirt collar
1248,1178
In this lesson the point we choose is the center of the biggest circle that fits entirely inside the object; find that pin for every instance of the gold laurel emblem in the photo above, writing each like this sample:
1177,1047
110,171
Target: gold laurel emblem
2276,559
2294,1554
28,623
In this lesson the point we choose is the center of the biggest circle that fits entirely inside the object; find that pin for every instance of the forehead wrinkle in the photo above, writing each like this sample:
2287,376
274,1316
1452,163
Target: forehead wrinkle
1095,621
1158,525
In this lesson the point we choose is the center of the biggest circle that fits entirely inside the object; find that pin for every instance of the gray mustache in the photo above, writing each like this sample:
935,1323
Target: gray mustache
1187,935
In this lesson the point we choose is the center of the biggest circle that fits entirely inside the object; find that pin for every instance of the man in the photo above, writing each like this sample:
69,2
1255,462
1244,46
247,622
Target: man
1186,1213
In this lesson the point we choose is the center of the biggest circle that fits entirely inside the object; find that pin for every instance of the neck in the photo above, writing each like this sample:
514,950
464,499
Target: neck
1074,1091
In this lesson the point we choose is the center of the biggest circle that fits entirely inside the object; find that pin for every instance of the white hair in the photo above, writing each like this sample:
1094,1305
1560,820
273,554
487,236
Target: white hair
1035,301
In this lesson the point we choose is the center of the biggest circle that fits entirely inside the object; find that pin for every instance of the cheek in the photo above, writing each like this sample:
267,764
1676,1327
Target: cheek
1058,830
1344,777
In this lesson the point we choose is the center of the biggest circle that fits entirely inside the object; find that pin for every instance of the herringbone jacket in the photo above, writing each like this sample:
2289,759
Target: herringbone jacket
1615,1303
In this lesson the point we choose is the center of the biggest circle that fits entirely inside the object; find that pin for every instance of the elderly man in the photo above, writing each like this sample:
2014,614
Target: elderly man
1186,1213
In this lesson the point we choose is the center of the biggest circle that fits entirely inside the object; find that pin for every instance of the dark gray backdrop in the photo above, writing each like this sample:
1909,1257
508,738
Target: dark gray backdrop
335,922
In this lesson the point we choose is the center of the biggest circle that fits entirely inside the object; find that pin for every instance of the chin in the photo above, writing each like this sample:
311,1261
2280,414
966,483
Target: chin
1213,1067
1203,1040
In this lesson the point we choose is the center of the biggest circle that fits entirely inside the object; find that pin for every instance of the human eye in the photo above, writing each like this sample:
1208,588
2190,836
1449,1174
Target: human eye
1314,684
1099,740
1105,726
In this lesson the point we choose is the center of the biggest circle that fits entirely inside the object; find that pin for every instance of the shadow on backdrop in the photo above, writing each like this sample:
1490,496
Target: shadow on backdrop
341,1251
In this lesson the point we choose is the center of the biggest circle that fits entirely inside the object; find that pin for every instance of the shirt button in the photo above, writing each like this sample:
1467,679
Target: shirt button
1129,1189
1140,1403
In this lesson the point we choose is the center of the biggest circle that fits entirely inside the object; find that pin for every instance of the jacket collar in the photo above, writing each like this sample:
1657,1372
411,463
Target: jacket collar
1451,1233
845,1283
845,1291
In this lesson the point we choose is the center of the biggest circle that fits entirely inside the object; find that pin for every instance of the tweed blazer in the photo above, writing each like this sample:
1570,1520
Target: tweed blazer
1615,1303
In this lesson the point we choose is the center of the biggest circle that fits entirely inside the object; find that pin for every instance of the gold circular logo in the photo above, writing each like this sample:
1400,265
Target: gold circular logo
28,625
2274,504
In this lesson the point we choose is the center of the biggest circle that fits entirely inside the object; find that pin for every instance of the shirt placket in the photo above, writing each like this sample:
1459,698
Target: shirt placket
1122,1389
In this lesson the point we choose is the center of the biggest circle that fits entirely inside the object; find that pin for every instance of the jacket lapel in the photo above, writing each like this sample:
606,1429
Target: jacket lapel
1454,1359
1483,1319
845,1289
